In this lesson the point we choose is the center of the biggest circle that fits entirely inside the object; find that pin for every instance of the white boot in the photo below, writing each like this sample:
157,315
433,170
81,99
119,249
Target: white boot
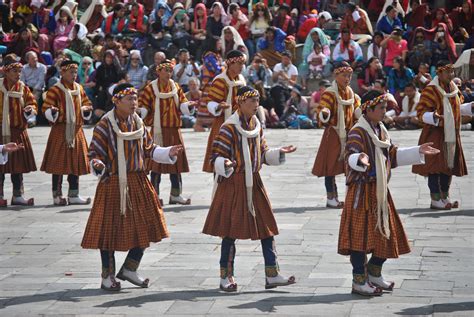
60,201
439,204
78,200
228,284
110,284
22,201
179,200
366,289
381,282
334,203
279,280
133,277
453,204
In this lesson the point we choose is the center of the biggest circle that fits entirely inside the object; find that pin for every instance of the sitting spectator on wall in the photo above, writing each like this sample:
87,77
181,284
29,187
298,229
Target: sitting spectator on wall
94,15
240,23
392,105
185,69
285,75
33,74
375,48
440,16
367,78
297,113
283,20
357,22
138,21
348,50
116,21
136,71
417,16
390,21
231,41
398,77
260,21
463,21
316,36
157,59
423,77
217,20
316,96
272,45
419,49
395,46
408,119
79,43
259,75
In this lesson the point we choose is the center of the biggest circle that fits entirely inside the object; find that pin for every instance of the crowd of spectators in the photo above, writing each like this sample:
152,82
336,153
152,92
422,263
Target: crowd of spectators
291,46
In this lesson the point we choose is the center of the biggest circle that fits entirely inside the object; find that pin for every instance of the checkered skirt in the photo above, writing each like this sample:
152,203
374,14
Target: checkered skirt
171,136
59,159
358,220
22,161
142,224
229,215
327,161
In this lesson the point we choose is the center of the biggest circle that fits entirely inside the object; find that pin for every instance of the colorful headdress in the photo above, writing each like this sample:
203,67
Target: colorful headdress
67,65
122,92
13,65
372,103
440,69
235,56
166,64
245,93
343,69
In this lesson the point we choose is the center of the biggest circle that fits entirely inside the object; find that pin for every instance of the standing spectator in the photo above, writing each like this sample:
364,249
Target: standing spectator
185,69
64,25
357,22
348,50
136,71
285,75
367,78
407,119
375,48
33,74
94,15
231,40
240,22
157,59
398,77
217,20
395,45
116,22
390,21
284,21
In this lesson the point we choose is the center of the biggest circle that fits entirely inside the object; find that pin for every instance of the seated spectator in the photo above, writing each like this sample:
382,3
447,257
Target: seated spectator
258,75
423,77
240,23
317,61
111,44
18,22
260,21
185,69
33,74
203,117
217,20
440,16
367,78
443,46
157,59
419,50
389,22
357,22
323,19
316,36
417,16
198,29
306,27
179,25
231,40
408,119
348,50
283,20
284,77
398,77
375,48
107,74
64,26
392,105
316,96
86,77
94,15
116,21
79,42
394,46
138,20
21,43
297,113
136,71
463,21
272,45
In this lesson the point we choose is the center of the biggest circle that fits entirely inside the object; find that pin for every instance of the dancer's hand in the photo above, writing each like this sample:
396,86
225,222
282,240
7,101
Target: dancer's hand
364,159
12,147
28,109
175,150
54,110
228,163
287,149
98,165
438,116
426,149
223,105
192,104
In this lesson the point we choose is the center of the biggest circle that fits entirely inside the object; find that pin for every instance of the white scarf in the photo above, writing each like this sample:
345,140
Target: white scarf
157,134
405,103
341,120
255,133
383,223
71,112
449,123
240,82
6,129
122,162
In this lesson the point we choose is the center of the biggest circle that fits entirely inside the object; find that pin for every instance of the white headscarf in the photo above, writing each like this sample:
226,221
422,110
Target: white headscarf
90,10
81,33
224,17
67,10
237,38
390,3
462,64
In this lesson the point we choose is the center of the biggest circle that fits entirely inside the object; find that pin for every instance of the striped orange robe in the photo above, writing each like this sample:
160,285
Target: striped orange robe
327,161
58,158
229,215
430,101
22,161
144,221
218,93
357,230
170,115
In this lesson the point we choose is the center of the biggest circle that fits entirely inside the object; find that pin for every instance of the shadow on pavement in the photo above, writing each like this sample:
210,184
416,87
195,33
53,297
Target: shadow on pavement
299,210
178,208
431,213
438,308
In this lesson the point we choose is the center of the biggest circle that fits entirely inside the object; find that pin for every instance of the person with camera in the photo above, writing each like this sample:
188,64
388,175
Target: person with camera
395,46
185,69
285,76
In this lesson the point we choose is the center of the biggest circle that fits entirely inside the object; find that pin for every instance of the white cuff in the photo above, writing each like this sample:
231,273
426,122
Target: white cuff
143,112
353,160
321,117
31,115
83,116
162,155
49,115
3,157
390,113
466,109
428,118
212,107
184,107
94,171
274,157
410,156
220,169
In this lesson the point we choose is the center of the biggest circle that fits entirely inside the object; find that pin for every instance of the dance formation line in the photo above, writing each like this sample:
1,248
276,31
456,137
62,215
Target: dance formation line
127,214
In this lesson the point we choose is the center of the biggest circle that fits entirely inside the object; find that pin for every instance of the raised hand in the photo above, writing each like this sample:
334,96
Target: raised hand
364,159
12,147
427,149
228,163
175,150
98,165
288,149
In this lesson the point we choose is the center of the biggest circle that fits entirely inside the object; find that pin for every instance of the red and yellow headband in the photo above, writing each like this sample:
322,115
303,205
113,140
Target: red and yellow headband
12,66
238,59
69,66
374,102
168,66
125,92
346,69
248,94
445,67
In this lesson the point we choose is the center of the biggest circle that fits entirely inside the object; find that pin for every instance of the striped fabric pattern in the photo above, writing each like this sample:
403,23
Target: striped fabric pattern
17,118
431,101
328,100
170,113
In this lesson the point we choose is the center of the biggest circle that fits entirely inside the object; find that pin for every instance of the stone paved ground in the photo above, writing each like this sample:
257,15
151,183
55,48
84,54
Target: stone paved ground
44,271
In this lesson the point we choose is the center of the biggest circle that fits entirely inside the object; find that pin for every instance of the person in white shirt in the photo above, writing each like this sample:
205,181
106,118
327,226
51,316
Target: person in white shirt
408,119
284,77
185,69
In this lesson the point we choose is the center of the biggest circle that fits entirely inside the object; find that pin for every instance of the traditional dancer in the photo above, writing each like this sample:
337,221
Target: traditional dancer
338,112
18,105
369,221
441,110
222,99
126,215
240,208
167,96
66,106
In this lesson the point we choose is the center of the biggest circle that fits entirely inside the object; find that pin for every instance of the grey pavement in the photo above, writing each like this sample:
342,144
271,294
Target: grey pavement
44,271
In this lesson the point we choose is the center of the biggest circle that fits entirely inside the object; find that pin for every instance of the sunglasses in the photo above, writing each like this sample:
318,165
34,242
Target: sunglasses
86,63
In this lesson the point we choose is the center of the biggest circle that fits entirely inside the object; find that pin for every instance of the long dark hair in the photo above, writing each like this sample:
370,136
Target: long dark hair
210,44
399,60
